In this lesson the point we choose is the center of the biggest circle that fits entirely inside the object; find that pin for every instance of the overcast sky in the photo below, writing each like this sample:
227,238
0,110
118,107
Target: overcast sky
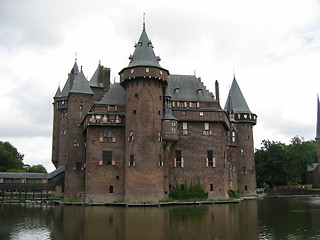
273,47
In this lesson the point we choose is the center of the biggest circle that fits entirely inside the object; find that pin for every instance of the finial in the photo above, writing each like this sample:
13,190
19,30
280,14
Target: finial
144,20
76,57
99,62
234,74
194,72
81,68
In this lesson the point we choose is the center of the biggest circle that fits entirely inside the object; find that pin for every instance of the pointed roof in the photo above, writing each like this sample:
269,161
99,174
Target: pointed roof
67,86
236,101
58,93
143,54
167,115
81,84
94,81
115,96
318,119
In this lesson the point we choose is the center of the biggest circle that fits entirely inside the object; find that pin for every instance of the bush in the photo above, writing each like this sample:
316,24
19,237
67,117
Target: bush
234,193
193,190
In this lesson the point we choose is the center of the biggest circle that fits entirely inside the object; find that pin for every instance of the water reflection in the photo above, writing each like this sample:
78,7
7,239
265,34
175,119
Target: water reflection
295,218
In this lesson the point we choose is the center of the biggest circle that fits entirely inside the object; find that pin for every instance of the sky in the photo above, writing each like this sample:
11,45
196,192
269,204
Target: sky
272,47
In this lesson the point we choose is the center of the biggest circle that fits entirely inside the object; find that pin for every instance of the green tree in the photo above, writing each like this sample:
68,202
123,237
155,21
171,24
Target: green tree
37,169
280,164
10,158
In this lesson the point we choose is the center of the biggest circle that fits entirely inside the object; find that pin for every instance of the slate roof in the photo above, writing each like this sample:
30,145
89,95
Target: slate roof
318,120
188,88
236,100
115,96
94,81
143,54
58,93
67,86
80,84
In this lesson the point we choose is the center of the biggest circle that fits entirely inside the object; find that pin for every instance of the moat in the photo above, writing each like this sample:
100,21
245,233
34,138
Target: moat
273,218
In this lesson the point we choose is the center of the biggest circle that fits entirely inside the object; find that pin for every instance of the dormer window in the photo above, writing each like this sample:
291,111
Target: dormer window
199,91
139,44
176,90
132,70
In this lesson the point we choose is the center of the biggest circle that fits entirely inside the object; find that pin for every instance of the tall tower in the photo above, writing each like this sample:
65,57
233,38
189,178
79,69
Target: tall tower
241,136
144,81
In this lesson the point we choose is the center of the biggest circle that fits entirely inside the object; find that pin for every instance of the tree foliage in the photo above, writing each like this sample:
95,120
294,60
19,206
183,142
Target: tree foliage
281,164
10,158
37,169
12,161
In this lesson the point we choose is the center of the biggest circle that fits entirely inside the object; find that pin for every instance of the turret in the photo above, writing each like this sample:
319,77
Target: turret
241,137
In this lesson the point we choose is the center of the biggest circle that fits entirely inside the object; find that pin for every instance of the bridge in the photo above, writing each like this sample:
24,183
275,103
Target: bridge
12,184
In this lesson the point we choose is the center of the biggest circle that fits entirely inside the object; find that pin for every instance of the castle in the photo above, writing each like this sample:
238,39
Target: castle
136,140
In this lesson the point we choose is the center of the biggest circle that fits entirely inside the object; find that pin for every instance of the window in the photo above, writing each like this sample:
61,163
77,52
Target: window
242,152
244,171
183,113
178,160
80,107
185,128
64,130
76,142
159,136
211,187
132,162
207,131
136,96
201,114
107,157
112,108
78,166
110,189
130,138
147,69
134,112
233,135
108,137
210,160
160,163
245,187
174,127
180,104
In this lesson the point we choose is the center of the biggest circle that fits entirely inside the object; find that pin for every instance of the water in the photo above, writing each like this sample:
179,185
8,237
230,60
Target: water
281,218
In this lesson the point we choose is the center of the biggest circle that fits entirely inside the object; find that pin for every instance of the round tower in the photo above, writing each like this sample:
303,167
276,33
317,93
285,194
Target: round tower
144,81
241,137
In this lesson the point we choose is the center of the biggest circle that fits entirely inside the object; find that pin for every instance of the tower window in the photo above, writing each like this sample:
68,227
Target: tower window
136,96
132,161
207,131
134,112
211,187
130,138
110,189
210,160
178,160
107,158
147,69
185,128
174,127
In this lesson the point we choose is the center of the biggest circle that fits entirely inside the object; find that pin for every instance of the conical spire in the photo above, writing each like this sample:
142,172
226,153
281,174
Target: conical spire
58,93
318,119
80,84
143,54
236,101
